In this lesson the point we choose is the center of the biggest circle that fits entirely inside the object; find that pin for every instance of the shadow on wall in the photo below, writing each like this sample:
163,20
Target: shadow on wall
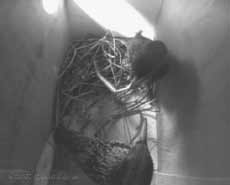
179,94
32,44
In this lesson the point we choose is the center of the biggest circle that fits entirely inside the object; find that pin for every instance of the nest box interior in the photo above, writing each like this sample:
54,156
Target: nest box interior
193,124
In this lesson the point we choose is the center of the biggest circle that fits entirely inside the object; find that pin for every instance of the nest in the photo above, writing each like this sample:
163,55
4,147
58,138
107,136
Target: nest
96,68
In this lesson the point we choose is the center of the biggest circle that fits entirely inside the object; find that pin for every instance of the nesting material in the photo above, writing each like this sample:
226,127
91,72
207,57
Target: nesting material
98,86
96,70
103,82
108,163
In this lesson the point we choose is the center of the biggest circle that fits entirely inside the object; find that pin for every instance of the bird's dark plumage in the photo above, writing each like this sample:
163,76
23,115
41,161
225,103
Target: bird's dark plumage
147,57
108,163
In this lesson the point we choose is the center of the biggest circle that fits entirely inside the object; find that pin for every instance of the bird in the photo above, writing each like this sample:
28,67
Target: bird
147,57
107,162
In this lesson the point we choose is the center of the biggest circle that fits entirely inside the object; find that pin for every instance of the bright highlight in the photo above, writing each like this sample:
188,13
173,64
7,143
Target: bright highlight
51,6
117,15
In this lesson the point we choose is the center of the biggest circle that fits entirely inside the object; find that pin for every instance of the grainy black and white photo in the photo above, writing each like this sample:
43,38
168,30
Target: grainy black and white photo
114,92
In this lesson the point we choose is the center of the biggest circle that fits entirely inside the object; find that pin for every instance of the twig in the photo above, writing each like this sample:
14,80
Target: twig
108,84
69,64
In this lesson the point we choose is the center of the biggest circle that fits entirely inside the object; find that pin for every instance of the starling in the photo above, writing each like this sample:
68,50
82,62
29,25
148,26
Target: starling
147,57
